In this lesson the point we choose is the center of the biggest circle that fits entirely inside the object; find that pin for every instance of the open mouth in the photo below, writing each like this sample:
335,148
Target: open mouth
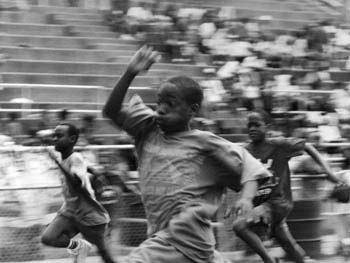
254,134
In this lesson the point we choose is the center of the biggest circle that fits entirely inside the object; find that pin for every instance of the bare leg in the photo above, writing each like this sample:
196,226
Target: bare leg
241,227
96,235
59,232
288,243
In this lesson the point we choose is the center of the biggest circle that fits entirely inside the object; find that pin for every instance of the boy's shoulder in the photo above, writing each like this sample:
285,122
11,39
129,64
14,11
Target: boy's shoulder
76,157
205,135
213,141
198,137
281,140
278,141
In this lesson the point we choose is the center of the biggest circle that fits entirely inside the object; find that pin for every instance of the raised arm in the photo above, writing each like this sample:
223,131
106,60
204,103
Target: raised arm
141,61
318,158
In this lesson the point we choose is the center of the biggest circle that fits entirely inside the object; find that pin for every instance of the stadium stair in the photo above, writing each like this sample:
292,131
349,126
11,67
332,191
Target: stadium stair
64,57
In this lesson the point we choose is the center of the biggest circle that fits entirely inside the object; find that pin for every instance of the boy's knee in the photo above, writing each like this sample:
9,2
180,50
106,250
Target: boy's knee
239,225
46,239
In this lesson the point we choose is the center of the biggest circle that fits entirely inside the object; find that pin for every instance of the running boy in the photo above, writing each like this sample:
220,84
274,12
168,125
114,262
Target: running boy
81,212
275,154
183,172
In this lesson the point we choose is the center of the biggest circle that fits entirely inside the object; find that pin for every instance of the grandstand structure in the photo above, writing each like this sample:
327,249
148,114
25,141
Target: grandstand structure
50,50
287,15
56,56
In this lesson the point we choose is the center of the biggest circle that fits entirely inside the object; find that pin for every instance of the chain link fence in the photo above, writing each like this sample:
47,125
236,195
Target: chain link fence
30,196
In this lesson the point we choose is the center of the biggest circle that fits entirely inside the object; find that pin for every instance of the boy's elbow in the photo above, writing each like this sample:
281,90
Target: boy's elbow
107,112
113,114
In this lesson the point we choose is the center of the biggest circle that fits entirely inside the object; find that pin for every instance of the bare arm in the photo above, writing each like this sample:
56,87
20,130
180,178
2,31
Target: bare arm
312,151
249,190
141,61
244,204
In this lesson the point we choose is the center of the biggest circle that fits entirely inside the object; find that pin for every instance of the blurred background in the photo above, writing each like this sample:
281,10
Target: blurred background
59,59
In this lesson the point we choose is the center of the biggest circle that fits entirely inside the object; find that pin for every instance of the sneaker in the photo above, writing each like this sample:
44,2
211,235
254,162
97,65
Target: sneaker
80,253
73,254
83,250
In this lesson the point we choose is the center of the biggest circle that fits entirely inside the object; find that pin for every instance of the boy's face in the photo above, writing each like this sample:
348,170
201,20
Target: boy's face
173,112
256,128
61,138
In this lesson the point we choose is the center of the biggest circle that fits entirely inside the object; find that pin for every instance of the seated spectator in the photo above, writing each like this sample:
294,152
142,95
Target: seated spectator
137,16
22,4
248,87
62,115
316,37
73,3
263,25
14,127
116,20
227,13
32,139
206,30
221,44
228,70
44,121
139,12
341,38
93,4
87,130
194,13
300,46
213,90
253,28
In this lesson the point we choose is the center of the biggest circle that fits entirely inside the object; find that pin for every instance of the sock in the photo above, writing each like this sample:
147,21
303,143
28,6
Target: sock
73,244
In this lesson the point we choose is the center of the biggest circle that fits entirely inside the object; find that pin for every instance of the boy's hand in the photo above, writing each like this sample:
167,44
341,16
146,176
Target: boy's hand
260,214
341,193
143,60
242,207
52,154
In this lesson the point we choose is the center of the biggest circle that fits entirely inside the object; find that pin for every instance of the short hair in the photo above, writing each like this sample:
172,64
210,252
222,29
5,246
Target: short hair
260,116
191,90
72,129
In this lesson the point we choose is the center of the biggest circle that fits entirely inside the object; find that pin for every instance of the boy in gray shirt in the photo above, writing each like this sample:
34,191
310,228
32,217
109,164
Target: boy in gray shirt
183,172
80,212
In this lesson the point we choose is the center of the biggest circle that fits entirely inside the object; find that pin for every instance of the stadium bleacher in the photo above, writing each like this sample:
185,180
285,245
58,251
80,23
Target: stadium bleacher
66,57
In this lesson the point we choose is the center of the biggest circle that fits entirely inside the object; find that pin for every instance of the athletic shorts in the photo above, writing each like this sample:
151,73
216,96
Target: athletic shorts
62,224
271,213
279,208
158,250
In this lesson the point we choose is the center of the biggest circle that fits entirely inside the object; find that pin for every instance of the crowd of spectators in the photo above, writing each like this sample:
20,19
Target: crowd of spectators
25,4
247,64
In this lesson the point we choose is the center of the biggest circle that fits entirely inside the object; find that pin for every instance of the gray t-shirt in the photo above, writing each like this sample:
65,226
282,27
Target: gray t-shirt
182,179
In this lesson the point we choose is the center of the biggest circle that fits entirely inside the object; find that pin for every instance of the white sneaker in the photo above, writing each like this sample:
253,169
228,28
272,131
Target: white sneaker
81,252
73,254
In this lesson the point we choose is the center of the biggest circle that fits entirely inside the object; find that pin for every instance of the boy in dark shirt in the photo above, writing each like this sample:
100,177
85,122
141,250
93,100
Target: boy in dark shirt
275,153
